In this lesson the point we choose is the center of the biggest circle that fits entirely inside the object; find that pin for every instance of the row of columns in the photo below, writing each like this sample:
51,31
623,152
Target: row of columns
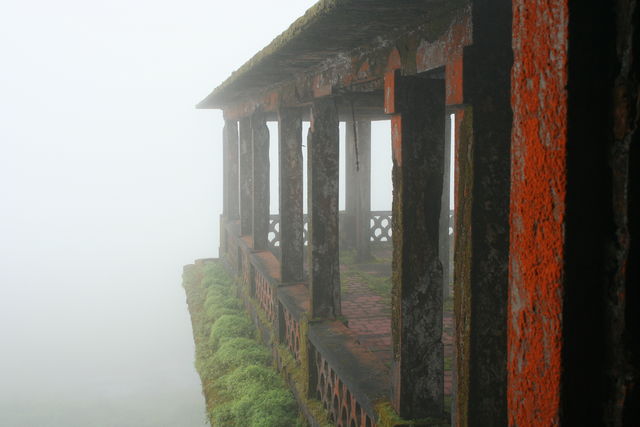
417,109
483,172
246,193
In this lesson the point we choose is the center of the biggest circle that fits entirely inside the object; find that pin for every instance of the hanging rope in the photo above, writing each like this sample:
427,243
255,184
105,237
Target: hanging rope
355,134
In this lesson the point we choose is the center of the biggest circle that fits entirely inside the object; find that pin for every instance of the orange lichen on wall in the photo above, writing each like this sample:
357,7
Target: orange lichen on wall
454,81
390,92
396,138
538,189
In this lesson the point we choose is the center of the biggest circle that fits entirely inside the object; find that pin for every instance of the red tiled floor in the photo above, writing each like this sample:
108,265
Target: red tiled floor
368,311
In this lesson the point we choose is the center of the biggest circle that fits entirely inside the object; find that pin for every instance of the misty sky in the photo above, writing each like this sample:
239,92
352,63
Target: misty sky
109,183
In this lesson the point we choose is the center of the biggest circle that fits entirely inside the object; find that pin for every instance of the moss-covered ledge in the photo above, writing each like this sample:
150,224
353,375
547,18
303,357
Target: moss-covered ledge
294,372
239,381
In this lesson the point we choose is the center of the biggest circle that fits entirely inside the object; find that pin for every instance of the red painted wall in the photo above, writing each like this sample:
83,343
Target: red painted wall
538,190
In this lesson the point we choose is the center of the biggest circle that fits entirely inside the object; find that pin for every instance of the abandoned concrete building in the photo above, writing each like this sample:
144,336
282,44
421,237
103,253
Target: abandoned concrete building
526,312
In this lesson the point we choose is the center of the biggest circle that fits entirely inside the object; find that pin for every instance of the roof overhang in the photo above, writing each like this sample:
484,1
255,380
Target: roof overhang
327,30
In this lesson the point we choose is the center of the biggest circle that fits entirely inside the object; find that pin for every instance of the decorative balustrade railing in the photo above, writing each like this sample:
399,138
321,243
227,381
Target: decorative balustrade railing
336,397
266,296
291,332
380,228
274,231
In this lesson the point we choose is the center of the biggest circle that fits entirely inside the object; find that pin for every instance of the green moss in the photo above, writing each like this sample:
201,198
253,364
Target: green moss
214,313
448,363
249,379
387,417
230,326
215,272
241,387
215,307
299,379
237,352
256,396
214,294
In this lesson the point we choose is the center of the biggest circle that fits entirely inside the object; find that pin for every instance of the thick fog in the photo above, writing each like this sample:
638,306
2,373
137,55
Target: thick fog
109,183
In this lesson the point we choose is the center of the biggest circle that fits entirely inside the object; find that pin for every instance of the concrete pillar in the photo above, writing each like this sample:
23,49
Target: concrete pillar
246,176
417,124
229,178
348,220
291,212
323,172
482,219
363,192
260,183
225,171
356,228
231,189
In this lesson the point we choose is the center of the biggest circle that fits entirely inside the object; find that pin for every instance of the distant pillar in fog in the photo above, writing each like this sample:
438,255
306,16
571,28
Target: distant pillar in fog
260,182
230,170
246,176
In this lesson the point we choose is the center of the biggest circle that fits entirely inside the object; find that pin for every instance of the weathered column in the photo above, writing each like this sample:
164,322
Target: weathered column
229,177
418,155
246,176
323,172
482,219
225,171
291,212
231,192
348,220
260,188
363,191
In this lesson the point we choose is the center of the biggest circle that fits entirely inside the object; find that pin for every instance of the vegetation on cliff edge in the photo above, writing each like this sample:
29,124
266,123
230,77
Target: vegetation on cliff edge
239,383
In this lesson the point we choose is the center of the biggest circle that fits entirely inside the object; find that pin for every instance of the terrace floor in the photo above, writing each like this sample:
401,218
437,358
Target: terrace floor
366,306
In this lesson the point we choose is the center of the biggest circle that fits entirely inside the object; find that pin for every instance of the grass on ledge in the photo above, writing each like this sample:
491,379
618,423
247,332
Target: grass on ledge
240,385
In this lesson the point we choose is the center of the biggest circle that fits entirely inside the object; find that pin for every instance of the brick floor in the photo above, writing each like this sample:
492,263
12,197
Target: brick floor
367,310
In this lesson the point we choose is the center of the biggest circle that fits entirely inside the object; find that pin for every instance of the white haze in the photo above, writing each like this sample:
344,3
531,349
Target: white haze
109,183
